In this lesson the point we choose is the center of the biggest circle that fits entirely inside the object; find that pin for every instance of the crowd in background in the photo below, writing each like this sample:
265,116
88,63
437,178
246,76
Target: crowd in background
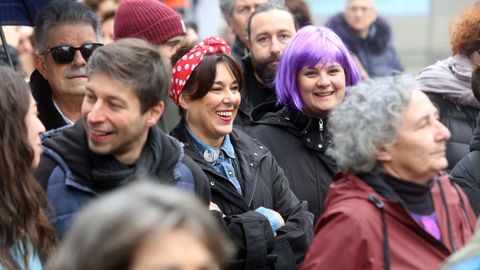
129,142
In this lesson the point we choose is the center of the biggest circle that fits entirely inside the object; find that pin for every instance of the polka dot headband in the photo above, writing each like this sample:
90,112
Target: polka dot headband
185,66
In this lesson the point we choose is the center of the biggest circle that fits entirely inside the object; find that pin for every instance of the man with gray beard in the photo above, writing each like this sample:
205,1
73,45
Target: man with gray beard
269,30
66,34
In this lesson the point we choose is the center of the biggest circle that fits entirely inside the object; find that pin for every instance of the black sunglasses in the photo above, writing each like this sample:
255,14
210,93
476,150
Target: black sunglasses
64,54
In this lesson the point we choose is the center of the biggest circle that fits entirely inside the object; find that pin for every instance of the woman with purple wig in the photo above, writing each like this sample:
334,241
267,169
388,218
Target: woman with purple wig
311,79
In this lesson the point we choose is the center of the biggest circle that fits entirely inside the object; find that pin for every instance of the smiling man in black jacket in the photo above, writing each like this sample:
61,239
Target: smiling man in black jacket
117,138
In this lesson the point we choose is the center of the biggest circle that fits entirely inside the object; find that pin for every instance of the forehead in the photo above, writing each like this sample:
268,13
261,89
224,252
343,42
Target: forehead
224,73
102,84
272,21
175,39
360,3
237,3
418,107
74,34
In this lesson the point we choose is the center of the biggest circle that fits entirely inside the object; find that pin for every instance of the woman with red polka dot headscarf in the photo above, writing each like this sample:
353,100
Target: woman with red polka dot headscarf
250,193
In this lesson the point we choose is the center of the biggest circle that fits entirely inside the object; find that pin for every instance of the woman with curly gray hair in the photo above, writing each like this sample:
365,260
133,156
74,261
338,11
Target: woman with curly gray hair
391,207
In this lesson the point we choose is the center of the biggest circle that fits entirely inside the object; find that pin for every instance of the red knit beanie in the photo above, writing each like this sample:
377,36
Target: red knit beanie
147,19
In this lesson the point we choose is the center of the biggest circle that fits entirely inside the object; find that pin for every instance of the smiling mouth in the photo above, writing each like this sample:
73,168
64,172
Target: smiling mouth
324,94
98,136
225,116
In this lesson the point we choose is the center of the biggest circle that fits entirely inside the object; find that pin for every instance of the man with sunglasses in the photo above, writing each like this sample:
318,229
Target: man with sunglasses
66,34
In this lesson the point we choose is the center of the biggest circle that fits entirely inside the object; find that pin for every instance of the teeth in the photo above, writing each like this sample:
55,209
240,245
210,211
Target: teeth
325,94
99,133
224,114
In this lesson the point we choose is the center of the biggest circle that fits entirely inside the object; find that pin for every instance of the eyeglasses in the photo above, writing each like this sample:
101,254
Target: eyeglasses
64,54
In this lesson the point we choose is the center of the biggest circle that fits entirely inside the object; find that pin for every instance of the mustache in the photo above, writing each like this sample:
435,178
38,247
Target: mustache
75,71
273,58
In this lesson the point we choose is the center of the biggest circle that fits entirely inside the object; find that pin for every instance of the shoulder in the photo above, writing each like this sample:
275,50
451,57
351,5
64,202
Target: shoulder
193,177
50,161
243,141
335,22
383,27
465,169
349,198
344,230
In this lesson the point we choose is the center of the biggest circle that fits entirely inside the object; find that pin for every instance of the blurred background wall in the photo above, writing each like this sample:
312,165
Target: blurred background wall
420,27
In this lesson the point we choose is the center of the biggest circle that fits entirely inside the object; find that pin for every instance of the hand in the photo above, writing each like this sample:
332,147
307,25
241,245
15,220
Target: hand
214,206
280,218
275,219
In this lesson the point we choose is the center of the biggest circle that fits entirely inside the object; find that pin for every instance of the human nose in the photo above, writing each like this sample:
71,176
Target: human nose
276,46
358,12
443,133
40,126
79,61
230,97
96,113
323,80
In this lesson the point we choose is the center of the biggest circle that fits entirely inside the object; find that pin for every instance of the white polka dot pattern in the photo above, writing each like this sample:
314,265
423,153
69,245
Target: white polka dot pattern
184,67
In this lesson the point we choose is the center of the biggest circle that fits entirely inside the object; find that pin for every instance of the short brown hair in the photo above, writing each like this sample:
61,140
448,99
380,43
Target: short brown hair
137,63
465,32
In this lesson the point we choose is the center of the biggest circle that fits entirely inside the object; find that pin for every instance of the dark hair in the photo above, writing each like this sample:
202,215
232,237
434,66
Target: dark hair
269,6
203,76
60,12
108,15
476,82
192,24
300,11
23,222
137,63
126,218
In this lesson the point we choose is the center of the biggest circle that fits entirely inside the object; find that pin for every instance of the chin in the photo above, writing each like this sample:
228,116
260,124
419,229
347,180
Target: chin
441,165
35,163
224,131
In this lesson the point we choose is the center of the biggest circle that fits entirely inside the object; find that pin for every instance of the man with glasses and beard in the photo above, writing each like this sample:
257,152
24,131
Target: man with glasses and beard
269,29
66,34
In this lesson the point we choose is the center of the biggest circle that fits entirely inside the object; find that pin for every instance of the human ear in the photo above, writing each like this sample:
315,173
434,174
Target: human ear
383,154
184,101
154,113
40,65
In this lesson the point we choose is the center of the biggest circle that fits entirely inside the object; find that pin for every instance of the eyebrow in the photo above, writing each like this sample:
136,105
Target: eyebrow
423,118
109,97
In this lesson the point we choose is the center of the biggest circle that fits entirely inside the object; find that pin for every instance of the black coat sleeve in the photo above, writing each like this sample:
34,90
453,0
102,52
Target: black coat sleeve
466,174
202,186
43,171
253,237
297,233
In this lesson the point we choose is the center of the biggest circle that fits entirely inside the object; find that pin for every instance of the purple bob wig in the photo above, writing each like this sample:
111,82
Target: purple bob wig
310,47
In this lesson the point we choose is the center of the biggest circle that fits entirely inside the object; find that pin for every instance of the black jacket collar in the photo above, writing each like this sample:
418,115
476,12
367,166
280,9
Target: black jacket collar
72,146
248,157
47,112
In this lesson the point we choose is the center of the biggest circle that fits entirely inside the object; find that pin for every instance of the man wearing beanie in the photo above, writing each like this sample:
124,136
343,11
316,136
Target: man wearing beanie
159,24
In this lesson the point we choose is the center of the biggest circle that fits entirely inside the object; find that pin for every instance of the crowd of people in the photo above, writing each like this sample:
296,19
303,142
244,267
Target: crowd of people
140,146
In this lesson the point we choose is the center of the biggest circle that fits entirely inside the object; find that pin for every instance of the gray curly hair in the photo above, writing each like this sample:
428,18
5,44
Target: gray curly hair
369,117
226,6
